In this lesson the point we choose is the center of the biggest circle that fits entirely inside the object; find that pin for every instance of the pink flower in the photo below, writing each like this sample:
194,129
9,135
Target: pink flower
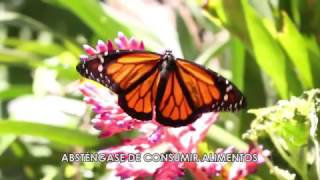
154,137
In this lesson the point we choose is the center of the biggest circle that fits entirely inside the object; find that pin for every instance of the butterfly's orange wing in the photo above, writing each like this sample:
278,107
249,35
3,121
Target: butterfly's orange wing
134,76
173,107
190,90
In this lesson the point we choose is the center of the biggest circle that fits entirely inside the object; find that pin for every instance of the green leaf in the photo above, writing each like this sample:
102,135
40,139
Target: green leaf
242,21
15,91
186,40
262,8
56,134
294,45
5,142
94,16
294,133
7,16
295,8
13,17
253,87
215,133
314,56
35,47
14,57
238,62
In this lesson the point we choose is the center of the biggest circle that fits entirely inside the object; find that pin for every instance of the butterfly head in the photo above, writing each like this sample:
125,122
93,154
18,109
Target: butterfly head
168,56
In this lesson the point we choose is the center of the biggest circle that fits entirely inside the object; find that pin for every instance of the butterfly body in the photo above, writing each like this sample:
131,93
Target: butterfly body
178,90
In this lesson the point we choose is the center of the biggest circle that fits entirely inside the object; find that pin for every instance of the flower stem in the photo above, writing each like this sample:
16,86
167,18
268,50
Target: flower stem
216,133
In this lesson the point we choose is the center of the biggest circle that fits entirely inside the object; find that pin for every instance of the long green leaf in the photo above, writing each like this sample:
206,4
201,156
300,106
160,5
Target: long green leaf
9,17
238,62
35,47
294,45
14,91
5,142
13,56
93,15
57,134
314,56
253,88
227,140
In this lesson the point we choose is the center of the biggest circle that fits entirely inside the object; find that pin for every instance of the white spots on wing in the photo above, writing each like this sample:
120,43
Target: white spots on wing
227,82
226,105
241,101
229,88
100,68
225,97
91,75
101,59
107,79
106,53
87,72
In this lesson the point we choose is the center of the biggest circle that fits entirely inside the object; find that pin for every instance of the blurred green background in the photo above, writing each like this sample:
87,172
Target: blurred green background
268,48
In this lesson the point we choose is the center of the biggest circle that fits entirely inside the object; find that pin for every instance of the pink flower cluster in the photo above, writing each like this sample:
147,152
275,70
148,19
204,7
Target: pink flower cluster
111,119
122,42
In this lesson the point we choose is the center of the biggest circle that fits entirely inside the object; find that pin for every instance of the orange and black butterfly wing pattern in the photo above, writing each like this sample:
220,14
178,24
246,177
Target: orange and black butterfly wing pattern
180,90
190,90
133,75
173,105
138,101
209,90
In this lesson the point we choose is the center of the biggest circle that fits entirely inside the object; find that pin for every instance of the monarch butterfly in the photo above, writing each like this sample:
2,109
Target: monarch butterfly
179,90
